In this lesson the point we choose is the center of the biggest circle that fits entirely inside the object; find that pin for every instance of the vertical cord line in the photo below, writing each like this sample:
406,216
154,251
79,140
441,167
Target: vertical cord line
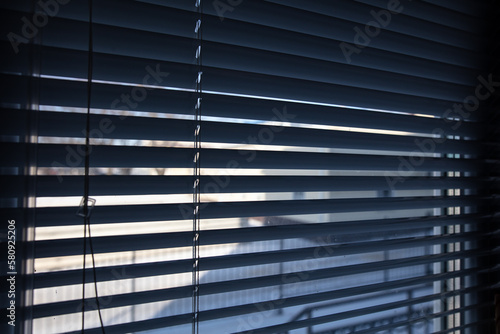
87,161
86,191
95,279
196,176
83,270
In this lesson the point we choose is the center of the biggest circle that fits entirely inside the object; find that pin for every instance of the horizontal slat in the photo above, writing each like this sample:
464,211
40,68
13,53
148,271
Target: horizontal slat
274,68
275,64
54,248
402,34
167,212
317,22
258,109
341,98
368,93
69,277
53,155
476,8
325,44
360,13
59,308
164,322
320,72
73,94
429,11
113,49
414,320
284,230
318,17
242,82
292,301
118,127
217,54
71,185
360,312
237,82
111,273
285,302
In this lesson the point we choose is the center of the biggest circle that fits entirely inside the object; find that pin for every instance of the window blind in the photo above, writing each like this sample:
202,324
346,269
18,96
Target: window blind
257,166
